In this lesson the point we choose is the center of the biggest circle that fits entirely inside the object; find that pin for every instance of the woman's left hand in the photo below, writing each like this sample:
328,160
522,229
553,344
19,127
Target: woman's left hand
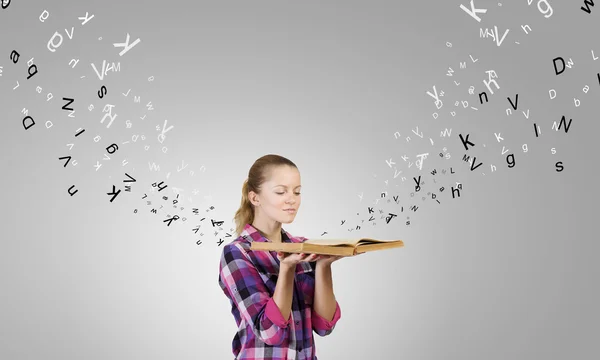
327,259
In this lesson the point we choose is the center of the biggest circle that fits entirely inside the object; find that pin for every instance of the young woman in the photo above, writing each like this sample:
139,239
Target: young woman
277,299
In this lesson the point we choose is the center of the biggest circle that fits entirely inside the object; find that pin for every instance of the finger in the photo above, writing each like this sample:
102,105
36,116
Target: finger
306,257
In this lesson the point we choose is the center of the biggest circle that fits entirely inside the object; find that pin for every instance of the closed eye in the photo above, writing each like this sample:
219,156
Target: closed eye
280,193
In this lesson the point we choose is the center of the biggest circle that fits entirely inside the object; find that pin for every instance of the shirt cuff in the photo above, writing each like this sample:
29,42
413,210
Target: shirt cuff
274,314
320,322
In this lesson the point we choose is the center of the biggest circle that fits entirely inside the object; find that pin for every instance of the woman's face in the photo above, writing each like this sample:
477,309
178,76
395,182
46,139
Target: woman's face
280,193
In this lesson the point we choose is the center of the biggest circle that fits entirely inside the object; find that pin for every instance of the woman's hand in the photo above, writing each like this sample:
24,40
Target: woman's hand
292,259
325,260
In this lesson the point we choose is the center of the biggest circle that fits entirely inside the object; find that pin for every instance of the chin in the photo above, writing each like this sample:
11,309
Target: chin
287,221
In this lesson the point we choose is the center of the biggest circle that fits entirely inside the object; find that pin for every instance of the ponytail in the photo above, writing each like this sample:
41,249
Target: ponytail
245,214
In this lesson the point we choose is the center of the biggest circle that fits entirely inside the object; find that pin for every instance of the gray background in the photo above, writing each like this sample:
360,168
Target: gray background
506,270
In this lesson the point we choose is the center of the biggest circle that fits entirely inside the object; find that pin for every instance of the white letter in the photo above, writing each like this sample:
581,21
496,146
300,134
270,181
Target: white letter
548,8
51,42
126,45
474,11
488,84
85,18
42,18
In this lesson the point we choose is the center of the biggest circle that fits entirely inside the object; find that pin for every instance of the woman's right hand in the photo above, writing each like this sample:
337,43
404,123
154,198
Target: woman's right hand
292,259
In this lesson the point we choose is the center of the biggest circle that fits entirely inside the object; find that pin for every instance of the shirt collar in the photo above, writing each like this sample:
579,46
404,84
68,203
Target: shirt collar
251,234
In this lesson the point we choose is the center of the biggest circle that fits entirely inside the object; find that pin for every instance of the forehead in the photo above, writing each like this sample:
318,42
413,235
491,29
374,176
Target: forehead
285,175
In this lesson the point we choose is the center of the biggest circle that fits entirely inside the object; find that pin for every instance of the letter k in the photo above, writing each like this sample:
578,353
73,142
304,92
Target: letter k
473,11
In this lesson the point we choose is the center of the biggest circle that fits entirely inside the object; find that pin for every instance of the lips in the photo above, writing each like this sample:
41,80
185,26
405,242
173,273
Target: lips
291,211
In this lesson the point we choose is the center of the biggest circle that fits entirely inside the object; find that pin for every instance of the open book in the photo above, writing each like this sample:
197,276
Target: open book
345,247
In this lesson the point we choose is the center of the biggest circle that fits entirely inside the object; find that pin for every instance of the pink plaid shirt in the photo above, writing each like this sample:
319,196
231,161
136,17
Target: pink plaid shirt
248,279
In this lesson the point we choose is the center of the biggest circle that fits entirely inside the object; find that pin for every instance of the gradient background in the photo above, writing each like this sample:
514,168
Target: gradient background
506,270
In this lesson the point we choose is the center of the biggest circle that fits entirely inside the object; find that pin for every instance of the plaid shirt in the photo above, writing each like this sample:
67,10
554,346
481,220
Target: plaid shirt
248,279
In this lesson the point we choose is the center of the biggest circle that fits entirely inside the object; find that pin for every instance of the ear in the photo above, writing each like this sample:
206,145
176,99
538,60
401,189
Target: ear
253,197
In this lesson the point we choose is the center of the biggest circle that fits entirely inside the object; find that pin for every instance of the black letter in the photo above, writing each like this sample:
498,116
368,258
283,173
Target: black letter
102,89
478,165
511,163
465,142
562,121
516,102
587,4
563,65
72,193
559,164
486,98
113,193
29,71
14,54
453,190
129,176
30,125
67,104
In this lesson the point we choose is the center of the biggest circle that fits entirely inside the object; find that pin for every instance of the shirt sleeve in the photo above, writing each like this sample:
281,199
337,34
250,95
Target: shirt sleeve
252,298
322,326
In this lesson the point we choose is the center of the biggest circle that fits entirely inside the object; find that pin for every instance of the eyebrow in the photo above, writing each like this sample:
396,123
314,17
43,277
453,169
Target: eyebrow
286,186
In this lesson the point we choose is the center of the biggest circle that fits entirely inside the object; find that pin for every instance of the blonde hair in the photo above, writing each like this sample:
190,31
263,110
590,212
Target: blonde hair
257,175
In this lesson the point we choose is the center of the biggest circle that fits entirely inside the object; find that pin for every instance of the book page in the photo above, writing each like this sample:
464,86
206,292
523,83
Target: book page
352,242
375,241
331,242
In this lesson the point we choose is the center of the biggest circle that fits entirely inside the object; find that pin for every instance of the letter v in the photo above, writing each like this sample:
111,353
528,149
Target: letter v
101,77
503,36
516,102
478,165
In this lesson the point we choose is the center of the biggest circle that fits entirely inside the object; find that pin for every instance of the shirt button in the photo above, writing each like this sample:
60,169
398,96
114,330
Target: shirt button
297,322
